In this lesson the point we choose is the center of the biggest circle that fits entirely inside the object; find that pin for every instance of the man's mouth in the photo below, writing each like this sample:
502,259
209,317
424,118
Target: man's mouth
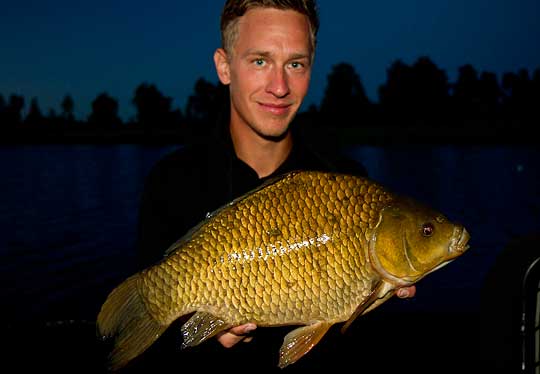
276,109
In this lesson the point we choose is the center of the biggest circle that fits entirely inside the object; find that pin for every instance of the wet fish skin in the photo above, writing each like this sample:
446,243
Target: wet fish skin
309,248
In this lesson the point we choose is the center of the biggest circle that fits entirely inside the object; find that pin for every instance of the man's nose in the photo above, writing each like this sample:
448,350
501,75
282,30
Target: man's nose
278,84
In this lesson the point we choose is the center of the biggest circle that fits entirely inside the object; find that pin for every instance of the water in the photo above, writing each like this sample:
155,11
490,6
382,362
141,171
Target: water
68,215
67,224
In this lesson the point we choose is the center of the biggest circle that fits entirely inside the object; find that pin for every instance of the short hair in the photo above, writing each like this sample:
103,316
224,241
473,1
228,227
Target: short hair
234,9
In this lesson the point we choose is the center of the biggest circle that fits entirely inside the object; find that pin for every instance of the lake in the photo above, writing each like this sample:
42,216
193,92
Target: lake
68,215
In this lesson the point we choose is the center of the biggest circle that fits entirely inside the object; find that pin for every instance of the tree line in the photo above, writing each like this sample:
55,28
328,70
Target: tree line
416,93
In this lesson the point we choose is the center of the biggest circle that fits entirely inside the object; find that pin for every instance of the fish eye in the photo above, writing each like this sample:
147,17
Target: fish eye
427,229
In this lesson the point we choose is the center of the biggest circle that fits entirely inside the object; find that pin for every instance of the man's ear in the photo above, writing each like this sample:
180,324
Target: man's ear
221,60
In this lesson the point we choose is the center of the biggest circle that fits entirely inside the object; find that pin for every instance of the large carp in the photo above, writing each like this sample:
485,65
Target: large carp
309,248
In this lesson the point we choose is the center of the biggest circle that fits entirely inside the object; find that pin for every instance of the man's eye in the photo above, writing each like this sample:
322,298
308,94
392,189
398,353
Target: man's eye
296,65
259,62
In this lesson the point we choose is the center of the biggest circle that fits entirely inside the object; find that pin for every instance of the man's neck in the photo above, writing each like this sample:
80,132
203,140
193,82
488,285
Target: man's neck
262,155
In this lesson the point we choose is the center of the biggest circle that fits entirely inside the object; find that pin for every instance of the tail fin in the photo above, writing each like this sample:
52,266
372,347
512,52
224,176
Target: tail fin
125,318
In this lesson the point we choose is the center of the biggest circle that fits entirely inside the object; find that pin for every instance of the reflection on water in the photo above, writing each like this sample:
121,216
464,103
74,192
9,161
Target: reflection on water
68,215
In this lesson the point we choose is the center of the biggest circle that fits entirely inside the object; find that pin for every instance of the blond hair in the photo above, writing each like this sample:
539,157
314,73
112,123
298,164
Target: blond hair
234,9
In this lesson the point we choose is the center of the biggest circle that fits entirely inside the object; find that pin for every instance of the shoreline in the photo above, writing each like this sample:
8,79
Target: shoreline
464,133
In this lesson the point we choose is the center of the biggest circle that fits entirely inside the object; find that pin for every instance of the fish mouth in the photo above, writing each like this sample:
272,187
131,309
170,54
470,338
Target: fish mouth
459,241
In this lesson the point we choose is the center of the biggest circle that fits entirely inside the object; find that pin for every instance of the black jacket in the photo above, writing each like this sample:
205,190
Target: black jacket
195,180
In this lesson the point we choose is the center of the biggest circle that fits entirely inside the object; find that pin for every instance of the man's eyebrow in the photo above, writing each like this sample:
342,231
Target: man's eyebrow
255,52
299,56
294,56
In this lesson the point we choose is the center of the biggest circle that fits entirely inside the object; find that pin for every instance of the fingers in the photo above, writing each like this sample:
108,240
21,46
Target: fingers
406,292
236,334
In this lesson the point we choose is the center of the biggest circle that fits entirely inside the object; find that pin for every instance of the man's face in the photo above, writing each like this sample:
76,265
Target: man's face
268,70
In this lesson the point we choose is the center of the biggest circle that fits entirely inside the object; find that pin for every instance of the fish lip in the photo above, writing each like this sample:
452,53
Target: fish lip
458,244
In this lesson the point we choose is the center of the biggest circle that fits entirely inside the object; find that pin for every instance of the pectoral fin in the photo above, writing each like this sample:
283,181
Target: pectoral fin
300,341
200,327
364,305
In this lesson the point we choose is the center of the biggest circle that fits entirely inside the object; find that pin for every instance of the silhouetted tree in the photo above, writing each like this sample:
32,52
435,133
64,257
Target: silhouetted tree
68,107
510,93
394,95
535,94
466,91
345,101
431,87
419,92
474,97
519,94
34,116
490,95
13,110
206,103
52,117
104,113
154,109
2,109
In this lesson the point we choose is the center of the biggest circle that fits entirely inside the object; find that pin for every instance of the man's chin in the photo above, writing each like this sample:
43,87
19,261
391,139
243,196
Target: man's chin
276,131
275,137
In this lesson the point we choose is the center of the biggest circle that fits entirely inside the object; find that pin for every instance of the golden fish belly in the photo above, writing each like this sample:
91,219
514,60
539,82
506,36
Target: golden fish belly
290,253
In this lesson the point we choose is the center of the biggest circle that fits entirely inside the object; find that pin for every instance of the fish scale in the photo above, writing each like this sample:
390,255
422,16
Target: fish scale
308,248
305,212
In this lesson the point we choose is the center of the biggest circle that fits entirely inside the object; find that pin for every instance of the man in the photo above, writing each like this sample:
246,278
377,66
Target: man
266,59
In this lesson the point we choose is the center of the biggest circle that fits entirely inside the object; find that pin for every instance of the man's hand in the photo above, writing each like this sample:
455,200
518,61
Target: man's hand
406,292
236,334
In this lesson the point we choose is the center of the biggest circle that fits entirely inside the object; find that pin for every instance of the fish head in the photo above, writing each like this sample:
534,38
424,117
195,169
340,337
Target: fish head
412,240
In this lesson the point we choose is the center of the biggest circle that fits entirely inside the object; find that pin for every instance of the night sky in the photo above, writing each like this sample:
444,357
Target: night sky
52,48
